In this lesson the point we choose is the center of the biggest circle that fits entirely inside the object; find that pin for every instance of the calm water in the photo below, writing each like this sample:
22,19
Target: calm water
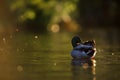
47,57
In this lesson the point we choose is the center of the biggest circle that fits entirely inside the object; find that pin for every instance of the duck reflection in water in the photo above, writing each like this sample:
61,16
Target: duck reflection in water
83,69
83,62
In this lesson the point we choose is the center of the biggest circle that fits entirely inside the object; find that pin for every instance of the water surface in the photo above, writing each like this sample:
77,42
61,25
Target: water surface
47,57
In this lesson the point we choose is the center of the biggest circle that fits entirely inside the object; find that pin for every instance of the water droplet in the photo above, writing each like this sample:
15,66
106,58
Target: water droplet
19,68
23,49
11,36
36,37
18,49
54,64
17,30
4,40
112,53
26,44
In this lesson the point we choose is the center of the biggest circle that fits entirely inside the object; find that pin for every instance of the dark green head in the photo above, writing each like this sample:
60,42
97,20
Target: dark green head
75,40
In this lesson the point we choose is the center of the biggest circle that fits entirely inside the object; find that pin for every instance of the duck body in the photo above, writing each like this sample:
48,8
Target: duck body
82,50
77,54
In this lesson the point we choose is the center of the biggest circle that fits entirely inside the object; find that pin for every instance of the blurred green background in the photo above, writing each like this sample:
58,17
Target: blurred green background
58,15
78,17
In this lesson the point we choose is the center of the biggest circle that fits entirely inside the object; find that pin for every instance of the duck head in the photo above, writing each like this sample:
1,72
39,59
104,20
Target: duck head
75,41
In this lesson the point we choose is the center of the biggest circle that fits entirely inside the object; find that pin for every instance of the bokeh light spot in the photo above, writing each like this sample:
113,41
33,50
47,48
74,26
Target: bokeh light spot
55,28
19,68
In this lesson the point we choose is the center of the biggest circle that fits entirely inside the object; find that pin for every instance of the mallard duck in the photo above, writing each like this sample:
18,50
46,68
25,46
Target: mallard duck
82,50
